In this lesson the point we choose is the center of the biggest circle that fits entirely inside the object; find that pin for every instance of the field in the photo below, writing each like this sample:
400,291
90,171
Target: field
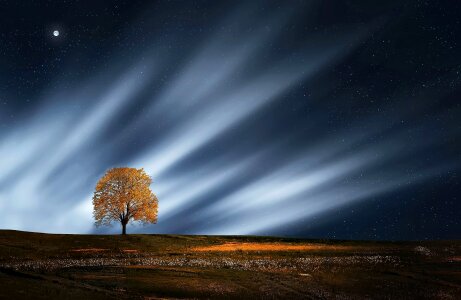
43,266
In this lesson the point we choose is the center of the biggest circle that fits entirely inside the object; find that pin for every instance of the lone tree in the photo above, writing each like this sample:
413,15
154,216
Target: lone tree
123,194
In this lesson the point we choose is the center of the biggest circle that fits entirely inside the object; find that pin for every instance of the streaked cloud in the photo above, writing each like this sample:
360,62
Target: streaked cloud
216,133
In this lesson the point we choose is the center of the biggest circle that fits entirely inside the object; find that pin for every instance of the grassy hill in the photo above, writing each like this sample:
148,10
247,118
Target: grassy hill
42,266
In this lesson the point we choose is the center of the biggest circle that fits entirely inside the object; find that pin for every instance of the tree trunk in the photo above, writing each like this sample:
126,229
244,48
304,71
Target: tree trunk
123,228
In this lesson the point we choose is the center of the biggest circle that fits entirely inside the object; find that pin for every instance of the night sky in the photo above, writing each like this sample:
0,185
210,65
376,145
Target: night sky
320,119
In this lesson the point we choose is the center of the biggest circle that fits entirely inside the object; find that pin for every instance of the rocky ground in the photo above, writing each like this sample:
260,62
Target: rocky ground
170,266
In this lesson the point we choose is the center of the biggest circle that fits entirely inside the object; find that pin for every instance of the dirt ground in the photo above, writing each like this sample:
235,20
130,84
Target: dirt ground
44,266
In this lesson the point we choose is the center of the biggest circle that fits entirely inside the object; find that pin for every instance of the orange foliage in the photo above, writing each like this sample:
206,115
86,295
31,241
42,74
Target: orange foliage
124,195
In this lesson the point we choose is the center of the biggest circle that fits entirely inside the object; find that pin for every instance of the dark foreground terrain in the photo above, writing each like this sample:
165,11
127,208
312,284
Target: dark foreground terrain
39,266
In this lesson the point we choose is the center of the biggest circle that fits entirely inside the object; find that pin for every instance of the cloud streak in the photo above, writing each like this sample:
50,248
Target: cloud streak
228,151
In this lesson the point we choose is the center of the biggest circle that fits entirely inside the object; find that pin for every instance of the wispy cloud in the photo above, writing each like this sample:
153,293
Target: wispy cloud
197,128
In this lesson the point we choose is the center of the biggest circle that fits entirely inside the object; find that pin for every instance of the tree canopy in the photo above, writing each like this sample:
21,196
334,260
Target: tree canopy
124,195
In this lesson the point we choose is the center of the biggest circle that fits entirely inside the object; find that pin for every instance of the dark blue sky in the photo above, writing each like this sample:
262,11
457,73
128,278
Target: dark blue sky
326,119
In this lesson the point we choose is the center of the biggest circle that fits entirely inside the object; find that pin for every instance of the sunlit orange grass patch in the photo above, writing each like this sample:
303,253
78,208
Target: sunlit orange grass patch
89,250
271,247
